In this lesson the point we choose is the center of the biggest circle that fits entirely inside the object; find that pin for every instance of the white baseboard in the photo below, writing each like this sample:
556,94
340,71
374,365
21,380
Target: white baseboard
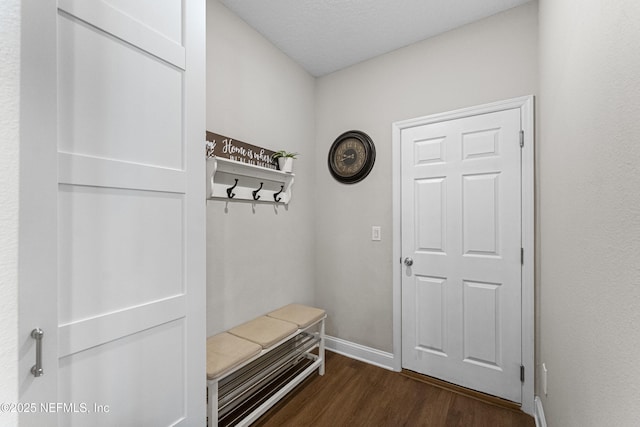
539,413
360,352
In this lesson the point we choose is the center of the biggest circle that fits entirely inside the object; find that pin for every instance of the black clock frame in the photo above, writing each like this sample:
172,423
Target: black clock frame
370,157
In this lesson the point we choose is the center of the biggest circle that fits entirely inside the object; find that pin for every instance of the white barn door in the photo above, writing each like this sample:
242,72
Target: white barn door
112,212
461,246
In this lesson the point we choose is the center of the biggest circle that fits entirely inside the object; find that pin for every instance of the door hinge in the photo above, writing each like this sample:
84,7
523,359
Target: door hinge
521,373
521,138
521,256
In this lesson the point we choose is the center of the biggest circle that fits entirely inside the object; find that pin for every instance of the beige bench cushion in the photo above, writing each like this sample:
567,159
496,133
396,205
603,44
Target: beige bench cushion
226,351
301,315
264,330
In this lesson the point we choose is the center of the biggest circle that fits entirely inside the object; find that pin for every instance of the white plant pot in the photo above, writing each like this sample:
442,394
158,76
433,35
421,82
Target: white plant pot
285,164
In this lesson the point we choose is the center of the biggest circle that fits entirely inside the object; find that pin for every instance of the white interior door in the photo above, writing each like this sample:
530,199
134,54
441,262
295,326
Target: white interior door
112,215
461,227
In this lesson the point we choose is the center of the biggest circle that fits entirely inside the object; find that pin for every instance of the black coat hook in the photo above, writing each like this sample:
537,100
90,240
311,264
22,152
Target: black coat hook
255,192
275,196
230,193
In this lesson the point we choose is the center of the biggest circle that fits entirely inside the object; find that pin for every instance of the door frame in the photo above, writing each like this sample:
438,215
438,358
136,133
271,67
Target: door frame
526,106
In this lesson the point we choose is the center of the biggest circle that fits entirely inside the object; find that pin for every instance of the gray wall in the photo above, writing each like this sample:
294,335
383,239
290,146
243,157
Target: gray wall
590,211
487,61
9,160
258,257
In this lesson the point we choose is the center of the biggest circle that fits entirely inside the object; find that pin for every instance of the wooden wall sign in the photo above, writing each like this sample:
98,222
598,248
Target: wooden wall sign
239,151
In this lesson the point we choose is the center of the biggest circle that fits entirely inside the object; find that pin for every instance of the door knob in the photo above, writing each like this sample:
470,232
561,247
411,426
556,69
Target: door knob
408,262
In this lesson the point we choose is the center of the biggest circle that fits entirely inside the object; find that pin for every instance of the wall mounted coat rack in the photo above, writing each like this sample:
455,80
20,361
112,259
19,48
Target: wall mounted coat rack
231,180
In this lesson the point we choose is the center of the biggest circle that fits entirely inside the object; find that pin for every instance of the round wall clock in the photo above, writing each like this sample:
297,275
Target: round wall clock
351,157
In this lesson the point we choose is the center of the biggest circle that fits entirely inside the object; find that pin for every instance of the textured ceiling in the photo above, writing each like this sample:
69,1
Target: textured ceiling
326,35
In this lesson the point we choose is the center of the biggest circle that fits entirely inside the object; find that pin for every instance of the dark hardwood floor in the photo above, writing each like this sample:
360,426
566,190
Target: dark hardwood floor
353,393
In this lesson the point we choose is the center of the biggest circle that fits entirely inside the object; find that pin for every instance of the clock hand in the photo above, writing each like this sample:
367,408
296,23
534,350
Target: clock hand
350,156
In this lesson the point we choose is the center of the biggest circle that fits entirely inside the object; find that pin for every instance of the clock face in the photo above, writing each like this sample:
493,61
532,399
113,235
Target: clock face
351,157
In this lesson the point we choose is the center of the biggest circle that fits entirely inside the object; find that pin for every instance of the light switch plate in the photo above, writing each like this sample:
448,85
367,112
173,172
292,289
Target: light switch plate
375,233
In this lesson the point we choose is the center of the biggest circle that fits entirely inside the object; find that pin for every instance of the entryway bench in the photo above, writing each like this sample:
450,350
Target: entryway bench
252,366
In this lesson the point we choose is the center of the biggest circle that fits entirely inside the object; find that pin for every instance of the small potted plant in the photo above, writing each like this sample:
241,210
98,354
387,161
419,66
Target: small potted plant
285,160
